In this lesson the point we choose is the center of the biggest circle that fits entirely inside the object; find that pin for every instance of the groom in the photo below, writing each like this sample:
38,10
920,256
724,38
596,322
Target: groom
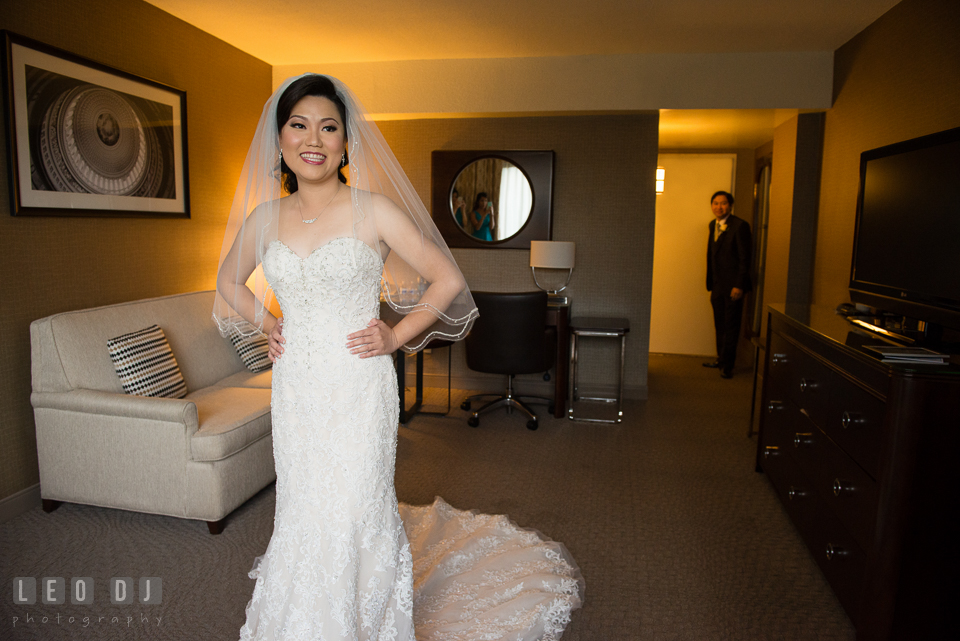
729,255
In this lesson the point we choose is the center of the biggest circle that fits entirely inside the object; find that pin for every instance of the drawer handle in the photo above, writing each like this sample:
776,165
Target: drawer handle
807,384
802,438
774,405
795,493
835,552
850,419
840,487
778,358
771,450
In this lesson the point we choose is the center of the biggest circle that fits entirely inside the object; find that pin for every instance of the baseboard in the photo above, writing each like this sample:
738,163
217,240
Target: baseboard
630,392
538,387
19,502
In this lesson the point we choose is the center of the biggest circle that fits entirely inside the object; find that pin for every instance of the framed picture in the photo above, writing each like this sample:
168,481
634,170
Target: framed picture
88,140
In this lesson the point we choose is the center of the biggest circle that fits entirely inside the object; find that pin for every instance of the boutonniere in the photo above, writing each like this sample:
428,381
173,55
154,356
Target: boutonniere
723,227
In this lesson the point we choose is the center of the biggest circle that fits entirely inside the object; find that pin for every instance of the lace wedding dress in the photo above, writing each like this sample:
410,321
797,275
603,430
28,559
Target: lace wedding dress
340,564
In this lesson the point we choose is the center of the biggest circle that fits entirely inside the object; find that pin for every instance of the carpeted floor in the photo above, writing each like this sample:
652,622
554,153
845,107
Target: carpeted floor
676,535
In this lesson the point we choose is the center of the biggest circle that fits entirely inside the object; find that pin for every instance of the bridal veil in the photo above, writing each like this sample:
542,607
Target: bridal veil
371,169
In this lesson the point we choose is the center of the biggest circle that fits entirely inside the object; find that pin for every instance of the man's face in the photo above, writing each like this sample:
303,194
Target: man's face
720,206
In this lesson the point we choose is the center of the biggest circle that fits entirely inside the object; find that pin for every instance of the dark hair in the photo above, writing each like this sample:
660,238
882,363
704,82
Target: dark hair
312,85
723,193
482,194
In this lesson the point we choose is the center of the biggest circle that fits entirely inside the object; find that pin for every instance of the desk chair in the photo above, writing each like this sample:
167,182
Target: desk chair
510,337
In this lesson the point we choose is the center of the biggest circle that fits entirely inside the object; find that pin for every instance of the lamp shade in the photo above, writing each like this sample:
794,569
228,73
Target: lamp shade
552,254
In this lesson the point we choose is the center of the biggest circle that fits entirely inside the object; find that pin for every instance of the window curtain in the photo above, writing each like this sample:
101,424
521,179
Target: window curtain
514,203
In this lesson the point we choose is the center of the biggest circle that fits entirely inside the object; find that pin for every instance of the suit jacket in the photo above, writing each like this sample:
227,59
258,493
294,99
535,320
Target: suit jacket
729,257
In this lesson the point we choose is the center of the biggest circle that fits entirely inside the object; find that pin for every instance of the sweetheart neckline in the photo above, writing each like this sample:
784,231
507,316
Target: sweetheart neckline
304,259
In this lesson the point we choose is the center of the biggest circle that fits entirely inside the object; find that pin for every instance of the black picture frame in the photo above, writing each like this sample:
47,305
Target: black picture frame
537,166
86,139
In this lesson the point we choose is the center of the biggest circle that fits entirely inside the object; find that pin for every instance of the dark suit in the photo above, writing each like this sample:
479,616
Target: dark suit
728,266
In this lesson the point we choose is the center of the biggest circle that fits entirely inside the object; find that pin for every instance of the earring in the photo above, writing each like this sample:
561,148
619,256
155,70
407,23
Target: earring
343,160
280,157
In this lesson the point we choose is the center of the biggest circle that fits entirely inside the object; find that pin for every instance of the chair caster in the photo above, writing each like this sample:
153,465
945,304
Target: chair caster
465,405
473,421
532,424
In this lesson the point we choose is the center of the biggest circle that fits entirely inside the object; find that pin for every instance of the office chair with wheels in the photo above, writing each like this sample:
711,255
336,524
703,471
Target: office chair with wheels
510,337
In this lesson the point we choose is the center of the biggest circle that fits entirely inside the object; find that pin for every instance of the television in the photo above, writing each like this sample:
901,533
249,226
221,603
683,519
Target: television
906,253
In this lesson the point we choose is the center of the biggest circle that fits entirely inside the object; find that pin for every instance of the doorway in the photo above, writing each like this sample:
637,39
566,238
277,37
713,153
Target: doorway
681,319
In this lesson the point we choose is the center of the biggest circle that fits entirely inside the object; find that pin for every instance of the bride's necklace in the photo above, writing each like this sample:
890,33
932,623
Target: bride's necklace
314,219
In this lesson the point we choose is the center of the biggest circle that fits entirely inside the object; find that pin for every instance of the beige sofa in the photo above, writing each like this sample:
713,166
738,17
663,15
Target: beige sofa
199,457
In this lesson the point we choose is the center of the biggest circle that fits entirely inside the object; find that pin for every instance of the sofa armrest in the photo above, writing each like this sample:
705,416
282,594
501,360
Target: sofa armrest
170,410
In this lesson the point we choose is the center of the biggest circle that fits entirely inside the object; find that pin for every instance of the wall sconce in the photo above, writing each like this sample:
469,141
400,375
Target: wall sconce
550,254
661,172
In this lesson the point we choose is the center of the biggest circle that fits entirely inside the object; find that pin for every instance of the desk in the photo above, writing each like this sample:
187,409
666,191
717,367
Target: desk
559,317
400,364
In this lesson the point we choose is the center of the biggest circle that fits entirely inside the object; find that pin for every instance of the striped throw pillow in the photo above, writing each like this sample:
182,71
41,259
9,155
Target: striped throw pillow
146,365
253,350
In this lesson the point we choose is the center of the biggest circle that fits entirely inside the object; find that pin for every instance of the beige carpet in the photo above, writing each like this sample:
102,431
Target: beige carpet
676,535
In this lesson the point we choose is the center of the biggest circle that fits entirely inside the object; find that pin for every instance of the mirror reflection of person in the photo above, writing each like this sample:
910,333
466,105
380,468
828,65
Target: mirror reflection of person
483,218
459,205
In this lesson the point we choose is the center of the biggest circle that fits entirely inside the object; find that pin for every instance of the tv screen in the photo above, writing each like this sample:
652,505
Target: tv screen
907,249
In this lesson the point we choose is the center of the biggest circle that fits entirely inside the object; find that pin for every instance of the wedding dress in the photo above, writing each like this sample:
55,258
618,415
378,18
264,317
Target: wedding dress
341,564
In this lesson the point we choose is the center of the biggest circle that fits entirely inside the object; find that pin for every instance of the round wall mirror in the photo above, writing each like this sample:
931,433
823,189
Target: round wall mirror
491,199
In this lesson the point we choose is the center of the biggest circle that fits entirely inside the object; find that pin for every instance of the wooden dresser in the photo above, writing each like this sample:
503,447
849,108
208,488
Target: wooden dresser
866,460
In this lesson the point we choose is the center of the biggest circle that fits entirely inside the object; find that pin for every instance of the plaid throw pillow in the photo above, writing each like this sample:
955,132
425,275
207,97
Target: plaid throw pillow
253,350
146,365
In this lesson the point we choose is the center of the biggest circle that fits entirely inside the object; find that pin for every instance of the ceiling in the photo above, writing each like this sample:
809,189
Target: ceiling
290,32
282,32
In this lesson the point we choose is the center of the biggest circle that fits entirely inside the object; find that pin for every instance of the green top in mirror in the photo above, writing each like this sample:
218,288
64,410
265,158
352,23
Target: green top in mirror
491,199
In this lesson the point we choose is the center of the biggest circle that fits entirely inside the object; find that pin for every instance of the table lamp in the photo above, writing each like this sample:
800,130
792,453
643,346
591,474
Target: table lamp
551,254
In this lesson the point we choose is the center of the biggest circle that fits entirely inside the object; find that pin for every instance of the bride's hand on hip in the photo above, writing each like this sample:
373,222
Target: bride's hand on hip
376,339
275,340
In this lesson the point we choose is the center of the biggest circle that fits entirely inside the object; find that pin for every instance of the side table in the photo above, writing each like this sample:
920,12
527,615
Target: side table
603,328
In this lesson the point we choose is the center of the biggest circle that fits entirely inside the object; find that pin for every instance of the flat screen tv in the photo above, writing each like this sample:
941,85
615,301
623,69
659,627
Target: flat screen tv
906,253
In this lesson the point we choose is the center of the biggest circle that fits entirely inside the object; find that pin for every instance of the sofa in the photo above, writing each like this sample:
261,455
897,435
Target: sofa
198,457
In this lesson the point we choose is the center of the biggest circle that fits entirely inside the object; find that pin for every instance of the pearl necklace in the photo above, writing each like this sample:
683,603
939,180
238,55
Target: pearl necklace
314,219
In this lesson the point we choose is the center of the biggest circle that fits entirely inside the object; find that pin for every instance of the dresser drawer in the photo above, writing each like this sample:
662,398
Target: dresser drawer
788,480
842,486
851,416
834,549
839,556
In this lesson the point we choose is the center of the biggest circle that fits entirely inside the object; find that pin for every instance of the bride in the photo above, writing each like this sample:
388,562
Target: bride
349,231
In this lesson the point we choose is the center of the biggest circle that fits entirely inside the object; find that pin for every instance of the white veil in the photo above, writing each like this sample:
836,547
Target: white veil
372,169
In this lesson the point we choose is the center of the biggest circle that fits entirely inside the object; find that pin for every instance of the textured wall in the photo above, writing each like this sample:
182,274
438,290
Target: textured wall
898,79
781,215
51,265
604,200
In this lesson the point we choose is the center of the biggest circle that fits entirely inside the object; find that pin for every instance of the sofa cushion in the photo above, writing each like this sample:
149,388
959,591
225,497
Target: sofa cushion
67,348
146,365
253,349
263,380
231,418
